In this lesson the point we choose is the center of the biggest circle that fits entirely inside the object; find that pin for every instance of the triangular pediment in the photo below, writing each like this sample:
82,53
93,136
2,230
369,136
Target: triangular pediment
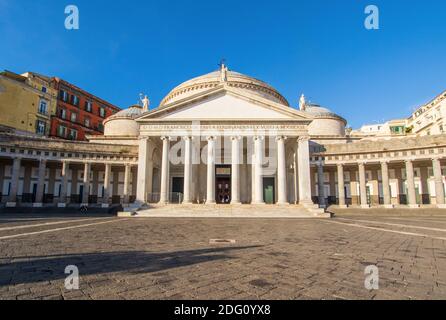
225,104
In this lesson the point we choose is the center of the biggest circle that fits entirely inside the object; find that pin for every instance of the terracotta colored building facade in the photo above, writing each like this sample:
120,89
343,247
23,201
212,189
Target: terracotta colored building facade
78,113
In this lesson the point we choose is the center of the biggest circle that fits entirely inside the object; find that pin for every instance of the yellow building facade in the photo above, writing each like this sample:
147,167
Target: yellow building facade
27,102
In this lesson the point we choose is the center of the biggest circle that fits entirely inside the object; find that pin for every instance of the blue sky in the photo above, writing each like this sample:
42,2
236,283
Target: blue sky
317,47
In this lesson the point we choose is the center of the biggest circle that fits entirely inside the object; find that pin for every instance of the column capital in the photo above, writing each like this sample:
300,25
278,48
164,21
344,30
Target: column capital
384,162
144,138
281,138
164,138
261,138
436,158
340,165
303,139
210,138
236,138
187,138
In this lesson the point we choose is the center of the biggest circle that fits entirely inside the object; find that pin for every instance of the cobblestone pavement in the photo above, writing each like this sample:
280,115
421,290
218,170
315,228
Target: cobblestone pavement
271,258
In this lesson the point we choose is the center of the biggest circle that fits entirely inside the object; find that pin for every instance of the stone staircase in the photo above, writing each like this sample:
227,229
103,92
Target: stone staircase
226,211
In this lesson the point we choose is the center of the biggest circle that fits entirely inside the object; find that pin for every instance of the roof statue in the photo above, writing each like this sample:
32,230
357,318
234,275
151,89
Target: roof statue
223,72
302,103
145,102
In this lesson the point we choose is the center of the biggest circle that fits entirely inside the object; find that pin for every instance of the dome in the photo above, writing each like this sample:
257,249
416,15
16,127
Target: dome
325,122
132,112
123,122
231,78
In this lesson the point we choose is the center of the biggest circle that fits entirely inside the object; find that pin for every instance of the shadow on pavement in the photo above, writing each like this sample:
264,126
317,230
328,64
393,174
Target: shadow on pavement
50,268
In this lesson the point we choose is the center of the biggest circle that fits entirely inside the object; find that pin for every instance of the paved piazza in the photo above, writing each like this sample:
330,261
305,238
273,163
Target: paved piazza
164,258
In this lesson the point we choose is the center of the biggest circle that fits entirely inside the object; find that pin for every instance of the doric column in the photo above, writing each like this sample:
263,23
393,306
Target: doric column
127,173
12,201
258,170
304,171
64,185
2,179
95,182
321,184
164,192
187,169
439,186
86,183
235,176
281,171
363,186
107,176
145,170
40,184
51,181
386,185
411,193
341,186
210,191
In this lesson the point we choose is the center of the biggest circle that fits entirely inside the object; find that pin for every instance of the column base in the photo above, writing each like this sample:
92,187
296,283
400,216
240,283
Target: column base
282,204
441,206
413,206
210,202
105,205
343,206
61,205
388,206
186,202
258,203
236,203
365,206
84,205
37,205
11,204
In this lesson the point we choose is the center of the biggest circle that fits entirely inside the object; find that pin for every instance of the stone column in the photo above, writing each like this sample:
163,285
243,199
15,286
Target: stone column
95,183
12,201
304,171
321,184
439,186
145,170
27,175
411,193
52,181
187,170
363,186
40,184
341,186
281,172
64,185
164,192
386,185
210,191
2,179
127,173
86,183
258,170
235,176
106,197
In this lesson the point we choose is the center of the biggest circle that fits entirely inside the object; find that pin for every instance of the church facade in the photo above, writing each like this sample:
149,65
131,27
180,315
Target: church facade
230,139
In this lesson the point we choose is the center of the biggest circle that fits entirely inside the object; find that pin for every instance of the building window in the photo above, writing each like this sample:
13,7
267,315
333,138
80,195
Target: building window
43,107
88,106
62,131
73,117
63,95
100,127
75,100
40,127
44,89
63,114
87,122
73,134
102,112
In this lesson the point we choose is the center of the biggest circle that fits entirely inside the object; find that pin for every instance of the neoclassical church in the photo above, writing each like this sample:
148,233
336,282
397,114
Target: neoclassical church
225,138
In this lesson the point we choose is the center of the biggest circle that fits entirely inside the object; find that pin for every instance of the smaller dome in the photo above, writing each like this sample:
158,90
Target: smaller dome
123,122
132,112
317,111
